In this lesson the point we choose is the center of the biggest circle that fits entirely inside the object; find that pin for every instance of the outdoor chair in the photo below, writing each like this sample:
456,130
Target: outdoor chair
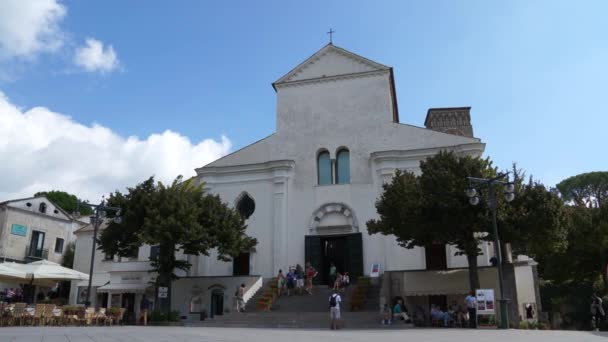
2,313
102,317
18,314
38,314
57,317
47,317
89,316
121,316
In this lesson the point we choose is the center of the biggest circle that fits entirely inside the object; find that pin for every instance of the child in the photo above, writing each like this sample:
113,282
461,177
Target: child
386,315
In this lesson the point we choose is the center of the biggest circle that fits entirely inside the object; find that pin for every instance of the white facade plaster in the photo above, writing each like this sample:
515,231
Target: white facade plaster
350,107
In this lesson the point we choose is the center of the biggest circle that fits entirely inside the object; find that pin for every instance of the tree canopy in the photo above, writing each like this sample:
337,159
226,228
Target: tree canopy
66,201
176,217
433,208
586,189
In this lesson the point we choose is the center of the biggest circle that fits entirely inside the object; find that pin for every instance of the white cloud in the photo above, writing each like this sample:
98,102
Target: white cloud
28,27
94,57
44,150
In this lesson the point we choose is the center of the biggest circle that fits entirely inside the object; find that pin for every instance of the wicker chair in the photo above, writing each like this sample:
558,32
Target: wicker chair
48,316
101,317
18,313
38,314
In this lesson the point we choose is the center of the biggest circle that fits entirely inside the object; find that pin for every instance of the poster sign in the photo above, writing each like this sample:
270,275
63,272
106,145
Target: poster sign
17,229
485,302
82,295
163,292
375,273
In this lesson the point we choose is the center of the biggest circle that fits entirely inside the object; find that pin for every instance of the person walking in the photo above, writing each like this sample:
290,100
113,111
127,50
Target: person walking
597,311
471,303
144,306
291,281
345,282
310,274
332,274
334,309
240,301
280,283
299,278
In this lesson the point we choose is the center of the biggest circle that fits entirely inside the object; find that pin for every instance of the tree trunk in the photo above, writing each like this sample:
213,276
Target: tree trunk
473,274
166,266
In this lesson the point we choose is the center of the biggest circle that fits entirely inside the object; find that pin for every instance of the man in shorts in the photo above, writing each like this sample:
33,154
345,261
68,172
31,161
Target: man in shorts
334,309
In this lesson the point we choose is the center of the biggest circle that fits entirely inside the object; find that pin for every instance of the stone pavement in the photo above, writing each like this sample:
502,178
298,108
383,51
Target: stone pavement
190,334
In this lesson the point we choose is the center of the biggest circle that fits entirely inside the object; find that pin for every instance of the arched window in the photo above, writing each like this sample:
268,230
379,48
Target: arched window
343,166
42,208
245,206
324,168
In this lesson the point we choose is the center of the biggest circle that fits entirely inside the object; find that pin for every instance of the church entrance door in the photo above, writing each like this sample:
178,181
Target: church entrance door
345,251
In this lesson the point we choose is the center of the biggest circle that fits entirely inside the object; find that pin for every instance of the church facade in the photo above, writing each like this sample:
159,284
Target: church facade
308,189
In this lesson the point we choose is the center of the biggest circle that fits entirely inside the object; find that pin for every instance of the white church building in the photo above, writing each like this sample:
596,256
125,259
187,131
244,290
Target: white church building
308,189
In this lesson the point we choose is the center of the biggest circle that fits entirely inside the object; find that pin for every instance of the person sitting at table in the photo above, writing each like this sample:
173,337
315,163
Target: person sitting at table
399,310
457,313
439,315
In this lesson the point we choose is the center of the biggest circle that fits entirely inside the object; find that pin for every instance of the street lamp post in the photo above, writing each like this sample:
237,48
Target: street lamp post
100,211
474,199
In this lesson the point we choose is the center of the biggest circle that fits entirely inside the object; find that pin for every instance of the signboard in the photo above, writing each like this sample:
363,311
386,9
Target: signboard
375,273
81,298
17,229
163,292
130,279
485,302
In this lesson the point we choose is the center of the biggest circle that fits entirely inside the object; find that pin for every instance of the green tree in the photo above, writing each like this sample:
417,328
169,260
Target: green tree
432,207
586,189
66,201
178,217
535,221
67,260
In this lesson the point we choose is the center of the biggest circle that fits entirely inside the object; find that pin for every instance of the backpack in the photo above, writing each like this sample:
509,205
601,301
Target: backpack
332,301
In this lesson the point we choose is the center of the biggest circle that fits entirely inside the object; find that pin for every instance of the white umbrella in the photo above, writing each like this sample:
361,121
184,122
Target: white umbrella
10,273
48,270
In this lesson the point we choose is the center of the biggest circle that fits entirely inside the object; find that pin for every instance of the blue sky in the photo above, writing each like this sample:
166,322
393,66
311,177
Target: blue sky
534,72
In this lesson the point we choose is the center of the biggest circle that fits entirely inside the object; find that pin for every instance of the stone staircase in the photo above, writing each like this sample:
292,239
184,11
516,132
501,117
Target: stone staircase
305,311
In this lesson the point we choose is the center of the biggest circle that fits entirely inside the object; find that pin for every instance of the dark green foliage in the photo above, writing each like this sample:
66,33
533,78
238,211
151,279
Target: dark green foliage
67,260
175,217
587,189
66,201
160,316
433,208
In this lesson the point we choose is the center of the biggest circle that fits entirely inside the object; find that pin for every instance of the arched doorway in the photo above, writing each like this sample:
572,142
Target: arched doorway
334,238
217,303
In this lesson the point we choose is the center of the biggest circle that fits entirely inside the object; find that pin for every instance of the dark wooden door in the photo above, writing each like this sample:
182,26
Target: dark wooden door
313,252
355,256
240,265
217,303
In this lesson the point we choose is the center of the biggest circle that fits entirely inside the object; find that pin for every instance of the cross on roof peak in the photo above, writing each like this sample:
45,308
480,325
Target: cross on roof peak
331,33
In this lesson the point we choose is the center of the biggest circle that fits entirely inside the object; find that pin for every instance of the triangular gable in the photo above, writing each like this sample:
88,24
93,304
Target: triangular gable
331,61
33,203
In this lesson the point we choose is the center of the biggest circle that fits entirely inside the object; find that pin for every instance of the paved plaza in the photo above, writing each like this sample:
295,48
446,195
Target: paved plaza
186,334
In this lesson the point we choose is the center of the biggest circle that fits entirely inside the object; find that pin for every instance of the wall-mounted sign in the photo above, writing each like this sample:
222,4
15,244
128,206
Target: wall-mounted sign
17,229
485,302
375,273
130,279
163,292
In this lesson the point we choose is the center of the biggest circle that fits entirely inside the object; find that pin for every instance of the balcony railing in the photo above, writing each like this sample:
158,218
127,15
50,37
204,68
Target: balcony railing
35,253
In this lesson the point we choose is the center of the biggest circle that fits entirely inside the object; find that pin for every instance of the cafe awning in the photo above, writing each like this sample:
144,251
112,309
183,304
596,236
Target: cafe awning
123,288
430,283
99,279
443,282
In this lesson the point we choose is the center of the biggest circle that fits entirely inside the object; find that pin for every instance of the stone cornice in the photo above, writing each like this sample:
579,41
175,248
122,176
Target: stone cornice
275,165
417,154
335,78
